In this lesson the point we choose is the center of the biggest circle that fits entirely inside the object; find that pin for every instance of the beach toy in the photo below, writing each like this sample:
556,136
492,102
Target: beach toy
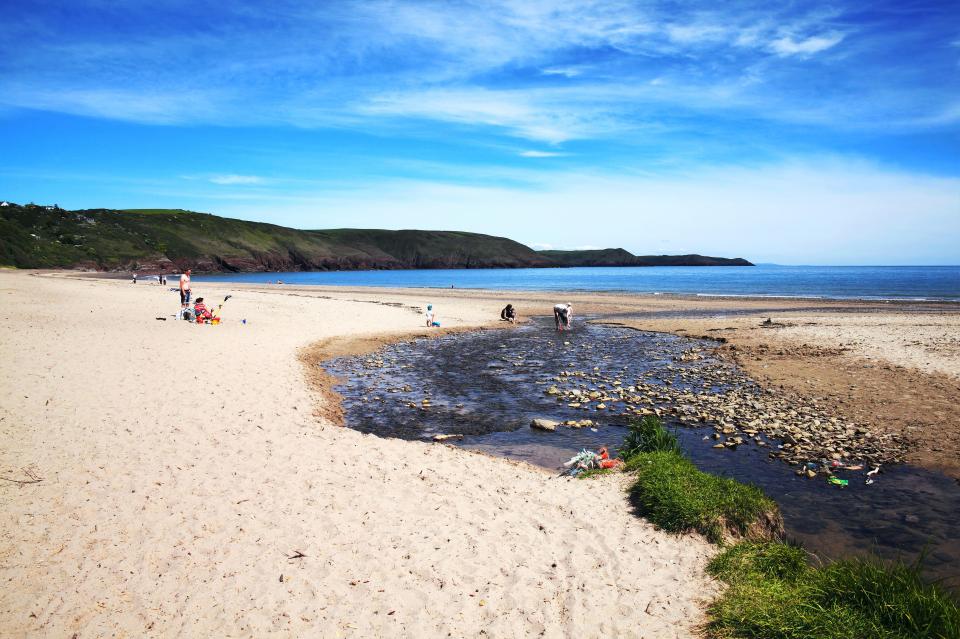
838,482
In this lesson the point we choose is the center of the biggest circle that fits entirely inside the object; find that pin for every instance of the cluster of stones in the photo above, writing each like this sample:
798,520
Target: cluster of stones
699,390
740,412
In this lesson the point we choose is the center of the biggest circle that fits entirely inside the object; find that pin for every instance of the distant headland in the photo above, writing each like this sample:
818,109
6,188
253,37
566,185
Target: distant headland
157,240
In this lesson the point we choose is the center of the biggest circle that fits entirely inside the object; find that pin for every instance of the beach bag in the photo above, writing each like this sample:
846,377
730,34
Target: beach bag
187,314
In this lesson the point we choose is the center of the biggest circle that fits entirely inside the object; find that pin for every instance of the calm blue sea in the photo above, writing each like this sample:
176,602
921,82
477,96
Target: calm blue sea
843,282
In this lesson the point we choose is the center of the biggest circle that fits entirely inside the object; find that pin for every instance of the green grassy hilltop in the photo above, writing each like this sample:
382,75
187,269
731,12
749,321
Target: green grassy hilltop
33,236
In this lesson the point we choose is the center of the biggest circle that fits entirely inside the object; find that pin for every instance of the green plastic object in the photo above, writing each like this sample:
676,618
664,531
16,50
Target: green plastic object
838,482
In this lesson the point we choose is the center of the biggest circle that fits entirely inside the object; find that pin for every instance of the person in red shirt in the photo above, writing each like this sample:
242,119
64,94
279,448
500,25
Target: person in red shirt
200,310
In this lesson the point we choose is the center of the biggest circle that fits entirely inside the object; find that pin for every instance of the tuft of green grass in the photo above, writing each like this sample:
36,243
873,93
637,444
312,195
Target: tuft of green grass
594,472
647,435
773,560
673,494
774,594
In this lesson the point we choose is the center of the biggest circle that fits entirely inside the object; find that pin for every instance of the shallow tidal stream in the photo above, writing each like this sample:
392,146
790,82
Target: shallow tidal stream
489,385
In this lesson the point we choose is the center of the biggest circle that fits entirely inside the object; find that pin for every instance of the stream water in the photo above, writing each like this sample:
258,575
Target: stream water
489,385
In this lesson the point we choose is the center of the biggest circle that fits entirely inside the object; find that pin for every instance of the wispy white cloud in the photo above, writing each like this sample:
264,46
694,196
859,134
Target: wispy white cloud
147,105
569,72
231,180
787,46
695,33
527,114
227,179
497,67
541,154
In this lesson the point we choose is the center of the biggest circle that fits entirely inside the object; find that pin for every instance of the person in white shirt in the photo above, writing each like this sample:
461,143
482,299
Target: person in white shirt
562,314
431,316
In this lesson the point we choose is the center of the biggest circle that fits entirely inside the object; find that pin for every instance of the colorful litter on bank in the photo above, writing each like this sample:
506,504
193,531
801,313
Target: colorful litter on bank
589,460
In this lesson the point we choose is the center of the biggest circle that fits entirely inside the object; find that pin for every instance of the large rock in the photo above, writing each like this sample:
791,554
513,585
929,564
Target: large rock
544,424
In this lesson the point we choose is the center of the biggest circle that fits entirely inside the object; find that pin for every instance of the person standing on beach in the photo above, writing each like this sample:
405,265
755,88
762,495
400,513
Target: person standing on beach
134,278
185,290
562,314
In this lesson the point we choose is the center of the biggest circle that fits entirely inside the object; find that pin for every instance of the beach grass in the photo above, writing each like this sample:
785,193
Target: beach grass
595,472
672,493
648,435
774,594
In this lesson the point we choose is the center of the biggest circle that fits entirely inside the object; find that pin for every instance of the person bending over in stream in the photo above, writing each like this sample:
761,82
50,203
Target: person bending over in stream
562,314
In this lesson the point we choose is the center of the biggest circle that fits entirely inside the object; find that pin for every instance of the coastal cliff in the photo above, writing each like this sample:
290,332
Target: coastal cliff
154,240
621,257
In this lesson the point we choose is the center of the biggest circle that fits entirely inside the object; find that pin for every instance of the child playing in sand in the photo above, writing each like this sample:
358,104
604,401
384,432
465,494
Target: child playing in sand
200,310
431,316
562,314
509,313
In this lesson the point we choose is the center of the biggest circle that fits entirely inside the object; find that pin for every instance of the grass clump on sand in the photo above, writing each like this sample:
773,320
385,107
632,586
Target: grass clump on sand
594,472
774,594
673,494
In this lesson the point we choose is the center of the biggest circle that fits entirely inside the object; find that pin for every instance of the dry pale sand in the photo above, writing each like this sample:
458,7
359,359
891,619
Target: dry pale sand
181,471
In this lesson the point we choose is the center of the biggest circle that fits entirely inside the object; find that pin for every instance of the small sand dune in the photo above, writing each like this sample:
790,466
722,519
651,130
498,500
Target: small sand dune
189,486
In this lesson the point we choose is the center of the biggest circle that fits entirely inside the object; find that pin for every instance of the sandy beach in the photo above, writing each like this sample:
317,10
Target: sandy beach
166,479
183,469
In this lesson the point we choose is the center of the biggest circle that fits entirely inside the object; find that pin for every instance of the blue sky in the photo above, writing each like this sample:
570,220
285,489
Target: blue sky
781,132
